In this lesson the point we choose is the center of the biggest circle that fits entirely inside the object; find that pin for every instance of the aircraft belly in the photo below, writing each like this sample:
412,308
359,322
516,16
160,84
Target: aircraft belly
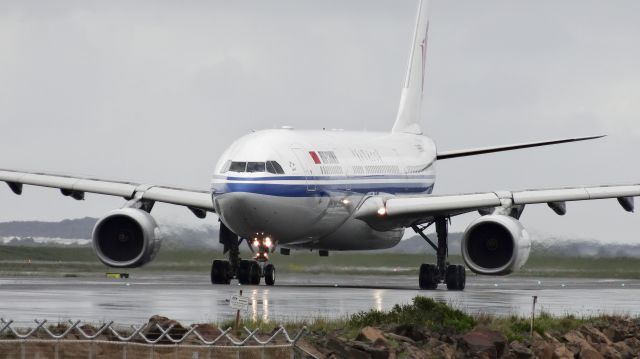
286,219
355,234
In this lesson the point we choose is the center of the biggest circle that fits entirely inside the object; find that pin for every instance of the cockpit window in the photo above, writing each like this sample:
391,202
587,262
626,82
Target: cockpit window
225,167
255,167
238,166
274,167
251,167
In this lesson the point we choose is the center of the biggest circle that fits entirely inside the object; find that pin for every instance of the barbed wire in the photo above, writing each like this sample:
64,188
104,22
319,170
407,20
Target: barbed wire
138,333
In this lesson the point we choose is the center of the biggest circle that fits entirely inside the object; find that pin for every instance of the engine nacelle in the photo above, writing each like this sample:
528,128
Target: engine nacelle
495,245
126,238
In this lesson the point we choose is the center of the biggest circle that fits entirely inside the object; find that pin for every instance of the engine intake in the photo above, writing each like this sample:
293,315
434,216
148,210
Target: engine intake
126,238
495,245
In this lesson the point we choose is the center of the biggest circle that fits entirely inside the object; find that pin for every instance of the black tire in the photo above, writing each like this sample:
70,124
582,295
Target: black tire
428,278
269,274
244,271
228,275
462,277
220,272
254,274
451,277
456,277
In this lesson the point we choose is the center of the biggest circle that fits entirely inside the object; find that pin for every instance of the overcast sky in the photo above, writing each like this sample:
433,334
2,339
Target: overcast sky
153,91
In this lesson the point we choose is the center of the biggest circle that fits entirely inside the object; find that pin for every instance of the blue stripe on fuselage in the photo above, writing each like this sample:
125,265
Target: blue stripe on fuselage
324,178
260,185
282,190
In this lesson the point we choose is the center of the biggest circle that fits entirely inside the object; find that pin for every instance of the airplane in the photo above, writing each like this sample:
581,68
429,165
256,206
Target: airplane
331,190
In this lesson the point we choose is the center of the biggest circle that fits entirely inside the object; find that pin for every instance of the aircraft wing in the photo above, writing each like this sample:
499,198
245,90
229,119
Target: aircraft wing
518,146
198,201
407,211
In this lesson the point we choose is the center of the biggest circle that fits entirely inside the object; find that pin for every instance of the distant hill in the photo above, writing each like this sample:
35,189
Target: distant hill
31,233
35,233
69,228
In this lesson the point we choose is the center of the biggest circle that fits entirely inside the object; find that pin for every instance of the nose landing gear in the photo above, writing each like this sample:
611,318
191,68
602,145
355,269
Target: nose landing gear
246,271
249,272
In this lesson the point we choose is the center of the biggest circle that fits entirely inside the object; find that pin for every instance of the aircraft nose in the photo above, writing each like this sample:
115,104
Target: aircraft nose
241,212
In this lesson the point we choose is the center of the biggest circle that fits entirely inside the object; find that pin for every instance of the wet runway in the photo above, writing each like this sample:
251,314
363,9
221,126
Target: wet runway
191,299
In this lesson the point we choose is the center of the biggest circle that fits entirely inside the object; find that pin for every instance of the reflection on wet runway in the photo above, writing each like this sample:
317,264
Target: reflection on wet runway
190,298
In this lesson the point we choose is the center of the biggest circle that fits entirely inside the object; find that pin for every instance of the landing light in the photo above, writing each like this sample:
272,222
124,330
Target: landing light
267,241
256,243
345,201
382,211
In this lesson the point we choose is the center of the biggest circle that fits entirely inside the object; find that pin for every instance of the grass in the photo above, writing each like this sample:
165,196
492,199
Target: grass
423,311
437,317
71,261
518,328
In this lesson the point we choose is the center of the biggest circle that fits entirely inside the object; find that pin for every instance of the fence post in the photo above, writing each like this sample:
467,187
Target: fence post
533,313
124,350
236,327
22,349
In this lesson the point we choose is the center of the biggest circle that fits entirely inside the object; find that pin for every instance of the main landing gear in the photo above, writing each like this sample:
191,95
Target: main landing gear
246,271
454,276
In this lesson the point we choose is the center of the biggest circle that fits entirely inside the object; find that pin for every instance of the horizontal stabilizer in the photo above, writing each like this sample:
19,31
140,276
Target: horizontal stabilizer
480,151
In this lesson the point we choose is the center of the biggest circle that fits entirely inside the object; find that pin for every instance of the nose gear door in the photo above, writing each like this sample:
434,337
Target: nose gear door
306,161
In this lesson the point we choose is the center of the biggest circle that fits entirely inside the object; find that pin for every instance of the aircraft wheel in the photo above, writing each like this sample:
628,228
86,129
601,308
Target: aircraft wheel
428,278
220,272
269,274
462,273
254,273
244,271
456,277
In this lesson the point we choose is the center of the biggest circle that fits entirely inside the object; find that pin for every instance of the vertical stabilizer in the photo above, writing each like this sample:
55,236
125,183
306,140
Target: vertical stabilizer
408,118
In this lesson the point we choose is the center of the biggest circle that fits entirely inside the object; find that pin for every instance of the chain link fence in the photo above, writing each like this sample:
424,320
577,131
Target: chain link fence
152,340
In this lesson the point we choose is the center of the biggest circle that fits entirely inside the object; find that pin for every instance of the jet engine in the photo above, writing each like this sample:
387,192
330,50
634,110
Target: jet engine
126,238
495,245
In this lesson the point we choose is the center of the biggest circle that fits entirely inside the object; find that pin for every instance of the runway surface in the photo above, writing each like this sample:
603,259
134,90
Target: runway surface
190,298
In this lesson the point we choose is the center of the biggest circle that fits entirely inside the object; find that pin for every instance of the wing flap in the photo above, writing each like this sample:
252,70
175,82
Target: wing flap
440,204
575,194
125,190
613,191
550,195
47,181
196,199
8,176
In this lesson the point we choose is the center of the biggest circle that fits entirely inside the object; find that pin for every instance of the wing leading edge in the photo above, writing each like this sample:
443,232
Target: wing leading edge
199,202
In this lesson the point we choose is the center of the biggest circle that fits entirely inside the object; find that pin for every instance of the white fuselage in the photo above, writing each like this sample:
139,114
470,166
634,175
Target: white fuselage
302,188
